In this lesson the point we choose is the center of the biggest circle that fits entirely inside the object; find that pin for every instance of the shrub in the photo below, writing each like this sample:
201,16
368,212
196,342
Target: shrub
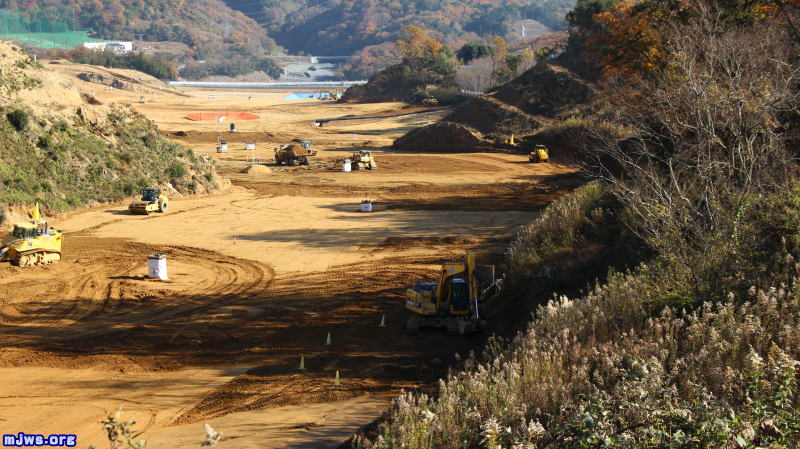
61,126
130,188
18,119
176,170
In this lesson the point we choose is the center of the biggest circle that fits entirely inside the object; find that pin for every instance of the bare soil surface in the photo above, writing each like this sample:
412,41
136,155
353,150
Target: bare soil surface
259,275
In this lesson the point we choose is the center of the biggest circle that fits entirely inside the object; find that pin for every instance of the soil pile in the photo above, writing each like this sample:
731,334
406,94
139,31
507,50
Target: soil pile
545,90
520,108
441,136
255,169
494,118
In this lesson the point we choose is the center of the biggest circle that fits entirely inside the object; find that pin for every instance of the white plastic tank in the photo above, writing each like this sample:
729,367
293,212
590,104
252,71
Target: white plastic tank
157,267
366,206
222,148
250,146
346,165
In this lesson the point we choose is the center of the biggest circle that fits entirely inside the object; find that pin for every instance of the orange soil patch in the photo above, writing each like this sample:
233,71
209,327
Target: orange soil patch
198,116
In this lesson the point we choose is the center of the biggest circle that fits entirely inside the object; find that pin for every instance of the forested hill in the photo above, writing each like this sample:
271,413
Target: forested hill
346,26
200,24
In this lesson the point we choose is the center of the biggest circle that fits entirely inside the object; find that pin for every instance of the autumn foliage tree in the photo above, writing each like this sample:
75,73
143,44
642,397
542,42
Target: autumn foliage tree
630,42
426,58
710,129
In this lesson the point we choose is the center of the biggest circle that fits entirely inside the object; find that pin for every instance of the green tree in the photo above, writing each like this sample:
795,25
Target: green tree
474,50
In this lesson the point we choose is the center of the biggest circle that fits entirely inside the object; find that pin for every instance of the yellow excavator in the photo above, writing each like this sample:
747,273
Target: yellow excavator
152,201
33,243
540,153
460,301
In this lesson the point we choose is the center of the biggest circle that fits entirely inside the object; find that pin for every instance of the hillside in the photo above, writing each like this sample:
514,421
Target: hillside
212,31
343,27
63,148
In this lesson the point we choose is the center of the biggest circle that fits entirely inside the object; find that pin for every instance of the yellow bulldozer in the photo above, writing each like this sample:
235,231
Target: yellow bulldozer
465,295
540,153
153,200
363,160
32,243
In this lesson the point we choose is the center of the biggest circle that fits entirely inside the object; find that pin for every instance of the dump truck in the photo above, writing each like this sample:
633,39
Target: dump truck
363,160
153,200
32,243
464,296
540,153
293,154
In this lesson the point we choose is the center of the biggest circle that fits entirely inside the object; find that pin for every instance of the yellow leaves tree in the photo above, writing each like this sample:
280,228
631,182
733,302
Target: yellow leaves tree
630,42
415,43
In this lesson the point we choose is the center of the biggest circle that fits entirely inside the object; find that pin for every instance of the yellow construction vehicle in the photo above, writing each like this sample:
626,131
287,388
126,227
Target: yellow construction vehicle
540,153
460,301
152,201
363,160
33,243
293,154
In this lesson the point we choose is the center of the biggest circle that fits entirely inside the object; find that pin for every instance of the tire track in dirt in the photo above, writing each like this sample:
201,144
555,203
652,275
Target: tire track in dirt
321,300
100,294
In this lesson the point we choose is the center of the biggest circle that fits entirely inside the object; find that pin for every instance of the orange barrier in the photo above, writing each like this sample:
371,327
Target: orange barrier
197,116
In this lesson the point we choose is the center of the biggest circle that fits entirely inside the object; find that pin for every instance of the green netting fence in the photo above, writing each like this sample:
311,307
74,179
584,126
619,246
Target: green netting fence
38,31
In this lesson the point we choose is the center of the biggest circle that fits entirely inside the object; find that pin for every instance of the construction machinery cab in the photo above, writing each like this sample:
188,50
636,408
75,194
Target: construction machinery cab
151,194
540,153
31,230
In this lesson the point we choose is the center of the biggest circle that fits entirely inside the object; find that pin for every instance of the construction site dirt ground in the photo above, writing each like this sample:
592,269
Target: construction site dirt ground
259,274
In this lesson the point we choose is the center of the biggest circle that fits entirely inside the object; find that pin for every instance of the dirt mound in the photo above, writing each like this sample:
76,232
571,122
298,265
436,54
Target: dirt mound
494,118
520,107
441,136
97,78
254,169
546,90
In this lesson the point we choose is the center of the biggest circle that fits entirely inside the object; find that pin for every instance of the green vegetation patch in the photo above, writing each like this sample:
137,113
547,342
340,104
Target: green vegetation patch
64,166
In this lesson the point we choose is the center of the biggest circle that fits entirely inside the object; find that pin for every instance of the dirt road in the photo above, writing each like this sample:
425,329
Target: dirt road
259,275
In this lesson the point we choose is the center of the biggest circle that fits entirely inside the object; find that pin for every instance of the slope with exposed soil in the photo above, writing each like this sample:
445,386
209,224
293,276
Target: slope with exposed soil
64,148
521,107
